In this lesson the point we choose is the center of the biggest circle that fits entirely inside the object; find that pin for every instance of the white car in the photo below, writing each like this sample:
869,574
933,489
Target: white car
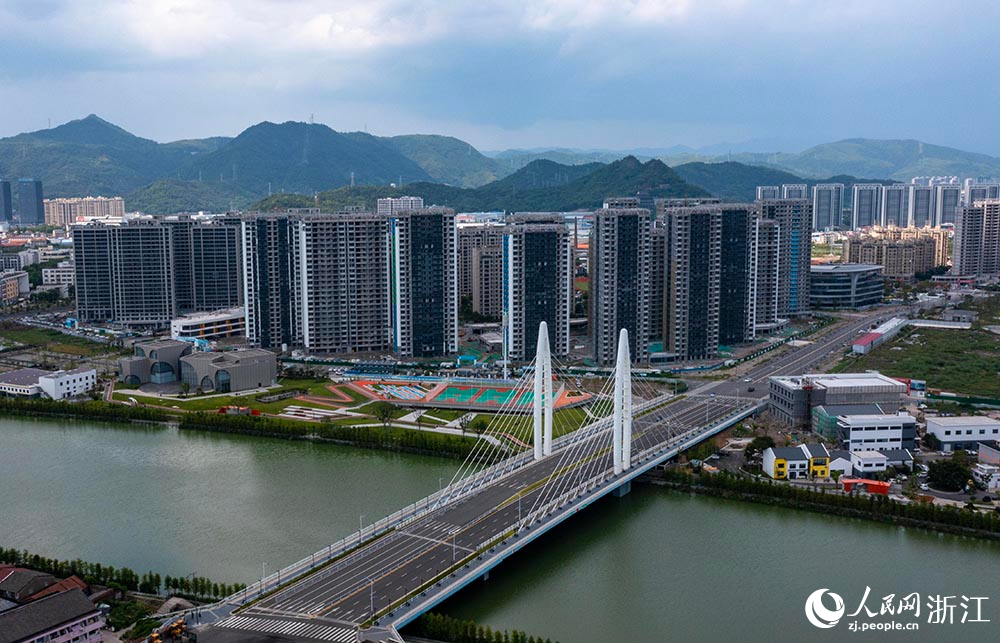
747,379
924,487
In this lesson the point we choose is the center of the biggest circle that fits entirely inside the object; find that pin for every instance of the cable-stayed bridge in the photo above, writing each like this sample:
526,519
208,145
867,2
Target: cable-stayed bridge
533,473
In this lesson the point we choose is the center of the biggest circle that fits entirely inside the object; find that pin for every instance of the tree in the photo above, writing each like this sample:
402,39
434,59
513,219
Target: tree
478,426
948,475
757,446
382,411
463,423
419,419
931,442
185,387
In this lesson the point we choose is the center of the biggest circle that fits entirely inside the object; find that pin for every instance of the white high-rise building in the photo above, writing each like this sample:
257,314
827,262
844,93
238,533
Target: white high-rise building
827,205
794,191
896,205
977,240
391,205
921,202
866,205
947,199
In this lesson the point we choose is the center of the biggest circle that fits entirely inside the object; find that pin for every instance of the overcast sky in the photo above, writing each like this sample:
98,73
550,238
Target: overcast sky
501,73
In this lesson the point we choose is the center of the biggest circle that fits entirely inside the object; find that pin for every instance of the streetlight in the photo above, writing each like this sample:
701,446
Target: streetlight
361,523
372,607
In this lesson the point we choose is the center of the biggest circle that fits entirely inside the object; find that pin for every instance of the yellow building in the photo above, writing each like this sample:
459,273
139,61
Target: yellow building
795,463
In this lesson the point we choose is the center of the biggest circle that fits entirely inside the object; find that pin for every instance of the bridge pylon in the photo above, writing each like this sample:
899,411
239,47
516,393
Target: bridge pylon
622,433
543,402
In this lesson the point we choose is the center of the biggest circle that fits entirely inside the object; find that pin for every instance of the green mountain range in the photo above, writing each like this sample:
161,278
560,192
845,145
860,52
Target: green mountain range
532,188
738,182
91,156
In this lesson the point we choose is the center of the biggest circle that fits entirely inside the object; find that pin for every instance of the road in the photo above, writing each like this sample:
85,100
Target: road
373,579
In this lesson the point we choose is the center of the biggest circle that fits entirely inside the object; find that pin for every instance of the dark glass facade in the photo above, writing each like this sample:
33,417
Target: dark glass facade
30,209
699,287
6,202
427,288
734,276
541,287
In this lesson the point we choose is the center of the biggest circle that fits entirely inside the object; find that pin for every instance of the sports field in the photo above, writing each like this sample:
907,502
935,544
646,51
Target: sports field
456,395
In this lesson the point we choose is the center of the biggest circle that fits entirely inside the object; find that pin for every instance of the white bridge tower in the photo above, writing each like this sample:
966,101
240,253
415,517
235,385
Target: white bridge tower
622,434
543,402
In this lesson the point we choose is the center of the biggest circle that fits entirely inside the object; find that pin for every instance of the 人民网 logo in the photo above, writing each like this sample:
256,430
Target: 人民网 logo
817,613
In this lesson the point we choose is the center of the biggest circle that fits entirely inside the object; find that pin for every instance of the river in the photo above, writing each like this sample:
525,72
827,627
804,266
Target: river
653,566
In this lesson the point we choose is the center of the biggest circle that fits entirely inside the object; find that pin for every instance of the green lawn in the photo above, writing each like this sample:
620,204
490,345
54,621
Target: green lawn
54,341
447,415
958,361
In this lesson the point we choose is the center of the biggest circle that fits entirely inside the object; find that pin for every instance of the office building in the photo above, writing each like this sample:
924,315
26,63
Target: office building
538,282
866,205
124,272
964,432
901,259
845,285
794,191
792,398
619,282
6,201
977,240
877,432
947,199
61,385
342,275
793,218
921,206
895,205
768,192
391,205
63,273
424,268
827,205
692,308
62,212
30,209
487,281
470,238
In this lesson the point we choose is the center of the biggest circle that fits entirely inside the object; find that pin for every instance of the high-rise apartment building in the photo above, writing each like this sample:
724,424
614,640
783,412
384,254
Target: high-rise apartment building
30,209
6,202
487,281
472,237
62,212
124,273
866,205
977,240
270,280
695,238
794,218
216,265
980,192
737,274
424,269
619,282
391,205
767,277
794,191
827,205
341,272
768,192
659,263
947,199
538,282
921,202
895,205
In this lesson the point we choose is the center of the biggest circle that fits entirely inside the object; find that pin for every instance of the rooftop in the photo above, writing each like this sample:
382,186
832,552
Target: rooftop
869,455
43,615
847,268
789,453
22,376
964,420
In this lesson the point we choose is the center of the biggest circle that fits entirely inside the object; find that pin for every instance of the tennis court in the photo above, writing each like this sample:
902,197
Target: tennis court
458,394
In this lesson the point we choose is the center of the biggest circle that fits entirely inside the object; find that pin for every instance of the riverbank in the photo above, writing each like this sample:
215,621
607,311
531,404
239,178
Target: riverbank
947,519
385,439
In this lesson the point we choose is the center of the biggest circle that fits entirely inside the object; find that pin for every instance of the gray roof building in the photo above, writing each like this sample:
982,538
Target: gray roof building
70,609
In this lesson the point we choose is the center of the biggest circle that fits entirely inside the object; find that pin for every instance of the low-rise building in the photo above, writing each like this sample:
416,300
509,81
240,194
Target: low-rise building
845,285
963,432
22,382
792,463
988,454
879,432
64,273
841,463
959,315
17,583
869,463
60,618
792,398
61,385
158,361
229,322
230,371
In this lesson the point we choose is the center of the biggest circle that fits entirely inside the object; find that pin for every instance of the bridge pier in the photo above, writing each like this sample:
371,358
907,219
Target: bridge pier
486,576
622,490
